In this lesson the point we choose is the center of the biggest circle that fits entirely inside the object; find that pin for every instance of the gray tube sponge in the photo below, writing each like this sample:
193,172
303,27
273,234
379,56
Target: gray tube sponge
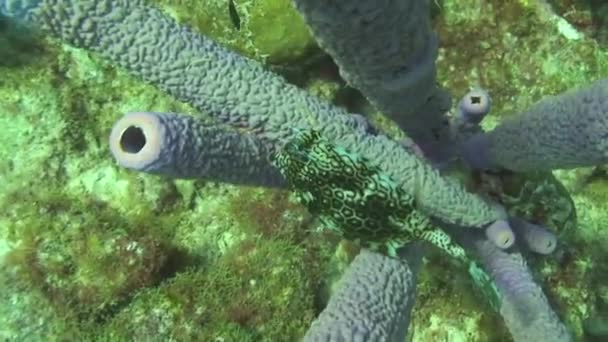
181,146
565,131
387,50
536,238
500,234
523,305
512,290
237,91
373,302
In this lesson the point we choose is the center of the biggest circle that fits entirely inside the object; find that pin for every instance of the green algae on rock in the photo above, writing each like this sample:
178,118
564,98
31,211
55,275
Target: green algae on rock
532,71
81,256
250,294
267,30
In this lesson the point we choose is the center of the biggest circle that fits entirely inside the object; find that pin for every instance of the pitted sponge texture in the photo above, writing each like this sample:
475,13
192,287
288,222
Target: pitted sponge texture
373,303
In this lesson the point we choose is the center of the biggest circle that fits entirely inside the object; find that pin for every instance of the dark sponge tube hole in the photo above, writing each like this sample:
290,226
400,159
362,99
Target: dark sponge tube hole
133,139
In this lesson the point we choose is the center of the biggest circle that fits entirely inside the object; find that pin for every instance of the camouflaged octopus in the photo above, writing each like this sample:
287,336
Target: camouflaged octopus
352,197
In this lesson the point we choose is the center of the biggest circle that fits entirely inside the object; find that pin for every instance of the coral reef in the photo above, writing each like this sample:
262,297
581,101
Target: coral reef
221,83
237,298
83,259
61,102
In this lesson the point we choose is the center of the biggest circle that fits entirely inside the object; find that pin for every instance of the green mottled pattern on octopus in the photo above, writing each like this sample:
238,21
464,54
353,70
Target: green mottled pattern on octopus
353,198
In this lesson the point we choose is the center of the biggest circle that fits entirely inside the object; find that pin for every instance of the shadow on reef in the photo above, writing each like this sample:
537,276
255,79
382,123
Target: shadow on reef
596,325
587,15
599,17
20,45
110,275
82,258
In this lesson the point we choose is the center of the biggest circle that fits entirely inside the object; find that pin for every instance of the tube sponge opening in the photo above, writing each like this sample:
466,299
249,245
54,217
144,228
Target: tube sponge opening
474,106
183,146
136,140
558,132
537,238
500,234
133,139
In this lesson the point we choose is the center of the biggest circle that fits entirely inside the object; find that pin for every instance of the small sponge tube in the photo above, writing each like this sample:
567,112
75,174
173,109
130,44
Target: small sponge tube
536,238
500,234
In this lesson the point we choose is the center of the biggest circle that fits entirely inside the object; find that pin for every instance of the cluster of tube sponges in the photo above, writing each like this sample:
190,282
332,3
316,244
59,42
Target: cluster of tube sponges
184,147
395,67
238,92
